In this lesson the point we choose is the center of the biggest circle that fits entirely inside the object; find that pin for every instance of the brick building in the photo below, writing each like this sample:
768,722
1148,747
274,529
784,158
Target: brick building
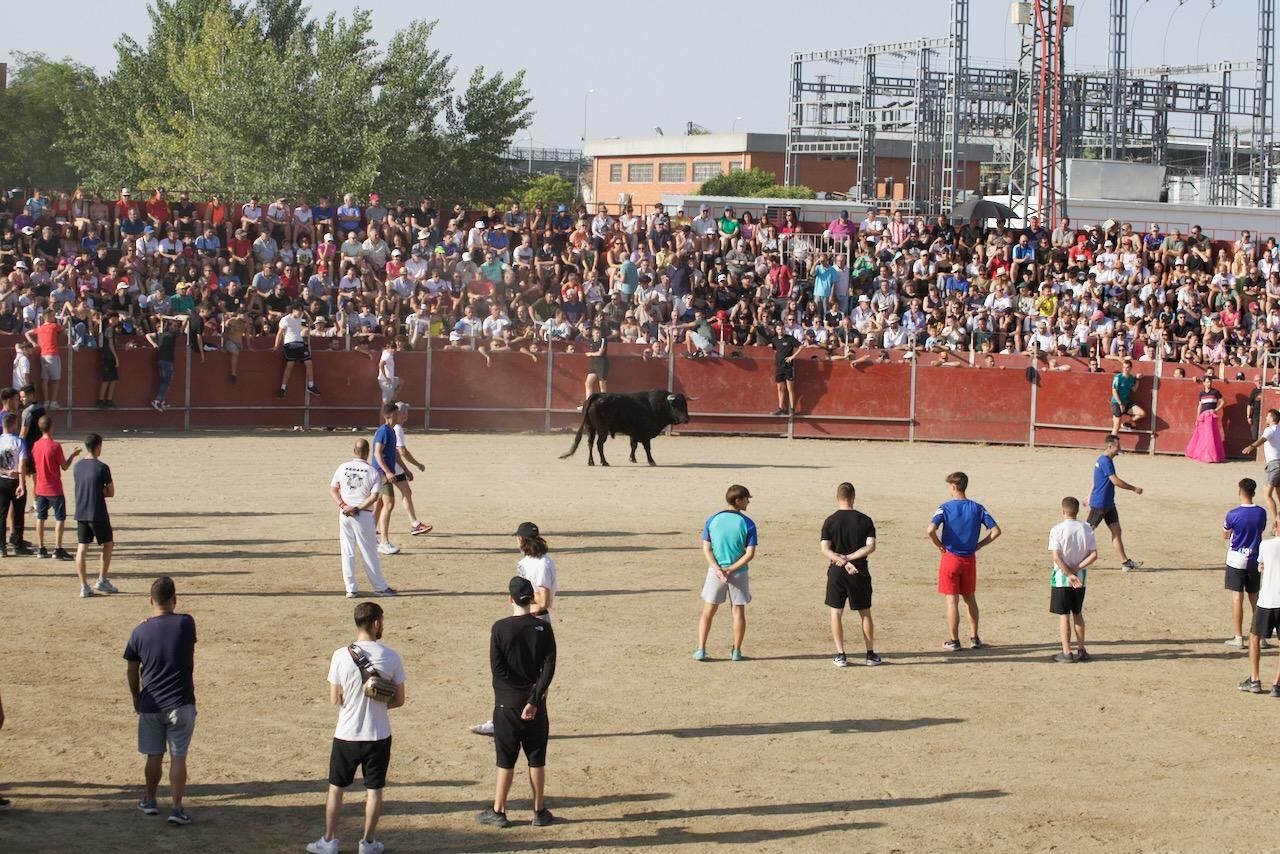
648,167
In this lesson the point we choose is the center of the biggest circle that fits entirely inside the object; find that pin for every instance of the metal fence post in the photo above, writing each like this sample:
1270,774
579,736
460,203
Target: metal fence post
426,392
1155,396
911,413
1031,427
546,424
186,392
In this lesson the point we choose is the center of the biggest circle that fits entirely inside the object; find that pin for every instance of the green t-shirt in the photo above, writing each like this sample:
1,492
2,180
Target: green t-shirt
728,226
1122,388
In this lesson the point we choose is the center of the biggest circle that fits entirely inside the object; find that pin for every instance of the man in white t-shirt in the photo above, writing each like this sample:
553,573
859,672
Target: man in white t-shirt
363,735
1269,441
292,334
1266,617
388,382
355,490
1074,548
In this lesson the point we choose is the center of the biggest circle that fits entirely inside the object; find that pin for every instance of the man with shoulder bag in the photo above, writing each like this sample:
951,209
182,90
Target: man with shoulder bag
366,681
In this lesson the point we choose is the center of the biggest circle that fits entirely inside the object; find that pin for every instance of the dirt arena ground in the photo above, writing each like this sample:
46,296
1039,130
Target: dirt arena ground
1150,748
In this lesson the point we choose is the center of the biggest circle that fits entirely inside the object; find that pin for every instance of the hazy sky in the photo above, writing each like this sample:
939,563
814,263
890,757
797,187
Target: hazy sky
705,64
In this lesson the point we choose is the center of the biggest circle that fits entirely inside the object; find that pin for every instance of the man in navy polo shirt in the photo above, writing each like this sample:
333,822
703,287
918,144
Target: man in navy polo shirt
384,460
161,674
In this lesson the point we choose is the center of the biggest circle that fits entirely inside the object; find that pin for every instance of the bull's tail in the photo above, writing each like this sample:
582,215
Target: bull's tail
586,413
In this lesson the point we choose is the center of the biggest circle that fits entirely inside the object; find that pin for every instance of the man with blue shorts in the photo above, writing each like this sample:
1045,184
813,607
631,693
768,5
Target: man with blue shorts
729,544
961,522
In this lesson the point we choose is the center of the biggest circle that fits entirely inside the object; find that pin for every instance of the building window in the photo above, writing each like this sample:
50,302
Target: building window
671,173
735,165
639,173
615,173
705,171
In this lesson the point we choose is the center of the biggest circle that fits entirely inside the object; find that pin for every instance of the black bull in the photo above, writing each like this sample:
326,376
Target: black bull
641,415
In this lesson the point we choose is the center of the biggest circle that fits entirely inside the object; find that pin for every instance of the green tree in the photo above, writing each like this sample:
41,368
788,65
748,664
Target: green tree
752,182
34,117
547,190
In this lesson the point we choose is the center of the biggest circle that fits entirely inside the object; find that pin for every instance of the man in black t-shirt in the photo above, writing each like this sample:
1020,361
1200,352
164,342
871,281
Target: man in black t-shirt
785,348
848,538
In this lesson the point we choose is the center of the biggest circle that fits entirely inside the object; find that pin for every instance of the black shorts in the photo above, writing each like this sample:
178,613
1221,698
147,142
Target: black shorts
298,351
1116,411
511,734
1242,580
784,372
109,370
843,587
1266,622
1066,600
1110,516
372,757
87,532
400,478
599,367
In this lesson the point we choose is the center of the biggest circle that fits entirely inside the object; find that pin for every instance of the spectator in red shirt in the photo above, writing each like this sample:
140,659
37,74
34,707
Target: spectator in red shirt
49,465
158,210
45,336
123,206
779,278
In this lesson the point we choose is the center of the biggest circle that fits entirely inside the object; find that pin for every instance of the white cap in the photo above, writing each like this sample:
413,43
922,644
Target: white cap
480,224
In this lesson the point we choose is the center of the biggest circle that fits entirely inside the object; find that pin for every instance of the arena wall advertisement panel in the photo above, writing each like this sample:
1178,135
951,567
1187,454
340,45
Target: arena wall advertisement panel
459,389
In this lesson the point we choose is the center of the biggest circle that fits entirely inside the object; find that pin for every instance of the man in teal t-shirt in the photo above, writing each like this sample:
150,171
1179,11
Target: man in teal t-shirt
728,543
1123,411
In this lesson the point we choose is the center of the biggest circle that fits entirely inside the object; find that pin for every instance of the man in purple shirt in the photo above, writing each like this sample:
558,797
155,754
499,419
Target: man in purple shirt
961,522
1243,529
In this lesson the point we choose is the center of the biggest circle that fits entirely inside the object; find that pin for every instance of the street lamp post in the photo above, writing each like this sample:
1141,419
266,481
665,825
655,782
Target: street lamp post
585,100
529,134
734,126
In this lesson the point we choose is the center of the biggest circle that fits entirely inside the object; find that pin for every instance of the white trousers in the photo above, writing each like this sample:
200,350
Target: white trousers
358,532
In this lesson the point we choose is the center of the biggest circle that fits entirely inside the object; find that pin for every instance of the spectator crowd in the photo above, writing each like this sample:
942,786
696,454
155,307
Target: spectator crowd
495,279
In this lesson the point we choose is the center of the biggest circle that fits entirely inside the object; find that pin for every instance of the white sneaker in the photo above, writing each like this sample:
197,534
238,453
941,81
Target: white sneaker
1235,643
86,592
104,586
351,594
323,846
485,728
388,549
368,847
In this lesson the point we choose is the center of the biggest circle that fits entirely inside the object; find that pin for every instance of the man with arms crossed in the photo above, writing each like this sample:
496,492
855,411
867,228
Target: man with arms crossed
161,674
363,735
1074,548
93,486
848,539
962,522
522,659
1123,412
1102,499
728,544
1269,441
354,489
1243,530
49,465
1266,617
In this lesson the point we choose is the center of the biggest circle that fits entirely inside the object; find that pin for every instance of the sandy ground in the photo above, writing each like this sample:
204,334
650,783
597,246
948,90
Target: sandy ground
1150,748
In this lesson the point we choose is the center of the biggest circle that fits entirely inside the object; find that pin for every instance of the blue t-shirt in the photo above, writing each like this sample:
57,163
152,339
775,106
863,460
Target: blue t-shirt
962,522
387,436
824,279
165,646
729,533
1246,524
1103,496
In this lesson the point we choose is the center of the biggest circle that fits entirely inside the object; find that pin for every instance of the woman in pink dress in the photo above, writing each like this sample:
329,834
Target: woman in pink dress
1206,442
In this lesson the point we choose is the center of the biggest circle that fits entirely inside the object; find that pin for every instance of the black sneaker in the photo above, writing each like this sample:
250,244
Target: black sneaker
63,554
110,404
43,552
315,392
1252,686
778,411
493,819
1083,655
839,660
233,379
952,646
543,817
873,660
4,551
1064,658
1275,690
282,394
23,550
975,642
4,802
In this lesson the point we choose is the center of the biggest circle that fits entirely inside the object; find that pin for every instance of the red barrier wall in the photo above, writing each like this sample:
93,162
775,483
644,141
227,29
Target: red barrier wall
510,391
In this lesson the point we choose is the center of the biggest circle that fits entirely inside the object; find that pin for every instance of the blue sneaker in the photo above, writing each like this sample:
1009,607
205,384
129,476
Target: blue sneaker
699,654
735,654
147,807
179,817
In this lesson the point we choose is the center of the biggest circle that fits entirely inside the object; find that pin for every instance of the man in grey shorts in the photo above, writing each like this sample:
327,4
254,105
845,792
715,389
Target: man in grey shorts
728,544
161,657
1269,441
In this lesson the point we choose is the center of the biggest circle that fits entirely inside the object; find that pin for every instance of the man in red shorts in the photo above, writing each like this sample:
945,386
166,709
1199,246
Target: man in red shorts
961,521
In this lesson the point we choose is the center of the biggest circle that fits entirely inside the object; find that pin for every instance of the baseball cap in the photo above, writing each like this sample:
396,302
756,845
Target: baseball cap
864,298
480,224
148,230
328,238
527,529
562,208
521,590
28,230
21,265
844,214
124,191
705,209
396,253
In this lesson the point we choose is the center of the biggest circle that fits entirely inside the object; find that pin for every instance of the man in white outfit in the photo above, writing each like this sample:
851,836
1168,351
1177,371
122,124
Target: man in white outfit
355,489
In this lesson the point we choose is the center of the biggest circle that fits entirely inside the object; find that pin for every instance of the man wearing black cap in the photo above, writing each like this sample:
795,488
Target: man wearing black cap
522,658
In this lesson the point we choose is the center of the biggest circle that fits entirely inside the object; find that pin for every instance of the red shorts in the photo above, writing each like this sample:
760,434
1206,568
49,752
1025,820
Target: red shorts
957,575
